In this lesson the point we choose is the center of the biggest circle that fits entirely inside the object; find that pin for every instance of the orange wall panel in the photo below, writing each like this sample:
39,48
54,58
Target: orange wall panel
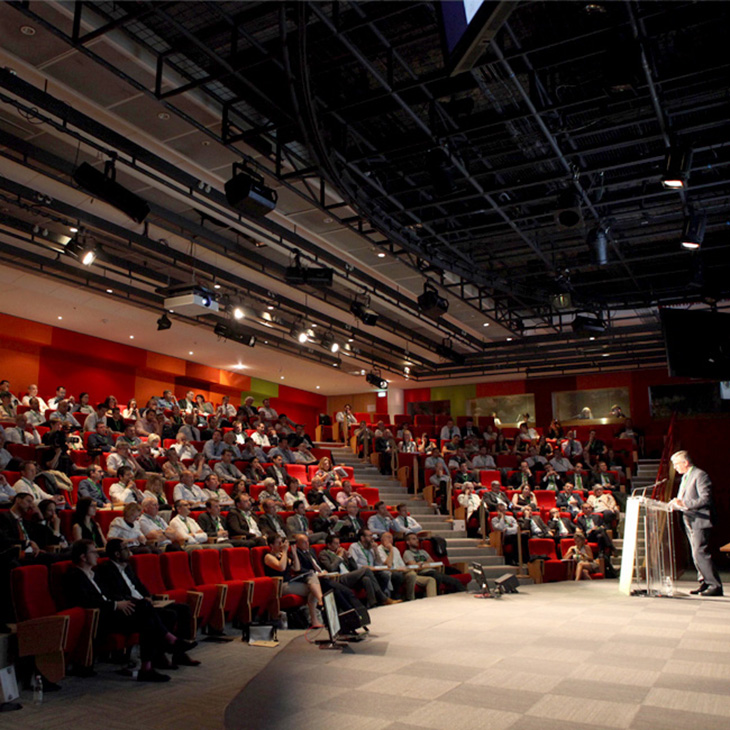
165,364
24,329
20,365
196,371
235,380
147,387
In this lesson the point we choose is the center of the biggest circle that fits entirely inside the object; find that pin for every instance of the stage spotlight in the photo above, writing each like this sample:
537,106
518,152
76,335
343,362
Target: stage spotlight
104,186
693,234
598,243
163,323
446,350
376,380
299,333
431,303
235,333
88,255
328,342
297,274
365,315
567,211
677,164
238,313
247,193
588,325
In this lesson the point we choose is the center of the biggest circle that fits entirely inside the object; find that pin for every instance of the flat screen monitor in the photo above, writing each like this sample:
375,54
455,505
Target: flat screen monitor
467,28
331,615
697,343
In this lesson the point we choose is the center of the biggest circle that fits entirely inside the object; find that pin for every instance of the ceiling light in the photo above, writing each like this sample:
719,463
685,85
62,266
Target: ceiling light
299,333
406,370
317,387
693,234
329,343
270,307
282,378
216,285
486,324
109,291
73,229
163,323
588,324
88,256
509,339
191,352
677,164
60,317
567,210
238,313
376,380
131,337
605,354
163,116
349,339
591,338
381,255
28,30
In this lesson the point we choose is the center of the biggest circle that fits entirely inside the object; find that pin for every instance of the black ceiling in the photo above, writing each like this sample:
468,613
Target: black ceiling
459,178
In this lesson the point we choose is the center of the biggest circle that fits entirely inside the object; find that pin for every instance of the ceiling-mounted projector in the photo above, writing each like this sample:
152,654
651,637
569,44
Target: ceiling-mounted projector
191,301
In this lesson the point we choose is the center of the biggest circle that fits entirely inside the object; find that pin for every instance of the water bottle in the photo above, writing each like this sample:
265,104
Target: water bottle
283,620
36,685
668,586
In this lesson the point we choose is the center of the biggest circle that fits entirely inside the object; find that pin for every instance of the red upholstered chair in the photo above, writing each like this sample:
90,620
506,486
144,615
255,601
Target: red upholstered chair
176,574
298,471
545,499
370,494
206,567
551,568
148,569
398,421
287,601
21,451
263,597
487,476
507,461
44,632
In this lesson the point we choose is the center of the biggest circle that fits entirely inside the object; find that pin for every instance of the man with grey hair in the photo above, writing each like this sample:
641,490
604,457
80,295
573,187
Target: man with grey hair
694,500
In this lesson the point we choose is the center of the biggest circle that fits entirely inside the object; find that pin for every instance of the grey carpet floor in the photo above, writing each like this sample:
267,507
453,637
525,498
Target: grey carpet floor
560,656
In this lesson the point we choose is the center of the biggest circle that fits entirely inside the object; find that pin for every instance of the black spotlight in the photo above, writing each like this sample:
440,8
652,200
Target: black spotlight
377,381
693,233
163,323
103,185
598,243
234,333
446,350
677,164
365,315
297,274
567,210
246,192
588,325
431,303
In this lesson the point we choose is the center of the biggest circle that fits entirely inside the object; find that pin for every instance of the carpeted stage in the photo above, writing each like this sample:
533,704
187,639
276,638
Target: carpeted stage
563,656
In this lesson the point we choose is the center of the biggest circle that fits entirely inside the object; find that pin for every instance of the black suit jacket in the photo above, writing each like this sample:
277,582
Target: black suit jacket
540,524
111,582
271,472
491,500
97,443
10,532
237,526
79,591
553,525
348,531
208,526
267,525
580,522
319,524
516,480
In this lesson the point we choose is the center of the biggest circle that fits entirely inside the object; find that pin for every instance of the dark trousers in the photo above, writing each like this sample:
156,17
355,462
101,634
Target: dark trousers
365,579
443,579
605,544
699,541
145,621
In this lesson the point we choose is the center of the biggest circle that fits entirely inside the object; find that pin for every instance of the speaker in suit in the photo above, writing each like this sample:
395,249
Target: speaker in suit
695,501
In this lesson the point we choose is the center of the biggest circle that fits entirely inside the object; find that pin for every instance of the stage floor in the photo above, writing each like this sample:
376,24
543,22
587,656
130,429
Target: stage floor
563,656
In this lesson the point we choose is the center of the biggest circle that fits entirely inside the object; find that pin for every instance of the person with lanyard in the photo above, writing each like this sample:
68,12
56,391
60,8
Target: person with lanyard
348,527
185,530
559,527
155,488
363,553
298,522
592,526
403,523
173,468
210,522
26,484
213,490
270,523
23,432
188,490
414,556
583,555
381,521
568,500
213,449
534,525
127,528
15,529
552,481
125,490
153,525
282,561
401,576
122,457
225,469
241,524
91,487
84,525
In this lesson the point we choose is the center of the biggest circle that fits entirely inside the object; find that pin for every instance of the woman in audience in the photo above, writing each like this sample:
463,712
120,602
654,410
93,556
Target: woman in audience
240,487
525,498
127,529
500,445
84,525
155,488
329,474
111,403
173,467
523,439
294,493
489,435
555,430
131,412
423,443
203,405
583,555
544,448
282,561
155,443
408,445
47,531
83,405
200,467
255,473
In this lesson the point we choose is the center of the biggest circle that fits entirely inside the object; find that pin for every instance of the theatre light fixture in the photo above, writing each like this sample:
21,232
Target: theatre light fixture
163,323
235,333
431,303
677,164
103,185
365,315
693,233
446,350
329,343
247,193
375,379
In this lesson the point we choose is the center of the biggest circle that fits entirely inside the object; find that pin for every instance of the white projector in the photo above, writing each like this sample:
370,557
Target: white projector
192,304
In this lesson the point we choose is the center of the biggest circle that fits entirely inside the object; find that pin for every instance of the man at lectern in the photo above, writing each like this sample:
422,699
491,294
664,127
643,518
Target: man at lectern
694,499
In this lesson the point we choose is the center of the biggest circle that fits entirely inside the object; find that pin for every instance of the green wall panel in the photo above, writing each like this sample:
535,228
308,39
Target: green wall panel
457,394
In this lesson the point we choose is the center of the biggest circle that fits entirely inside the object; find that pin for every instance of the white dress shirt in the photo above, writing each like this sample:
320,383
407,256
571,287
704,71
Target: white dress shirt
121,529
188,530
25,485
189,494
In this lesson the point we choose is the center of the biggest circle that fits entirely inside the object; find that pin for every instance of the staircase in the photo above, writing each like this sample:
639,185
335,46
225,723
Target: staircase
460,547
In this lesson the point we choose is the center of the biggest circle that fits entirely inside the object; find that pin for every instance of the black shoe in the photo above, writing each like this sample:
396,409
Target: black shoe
697,591
185,661
716,591
182,645
150,675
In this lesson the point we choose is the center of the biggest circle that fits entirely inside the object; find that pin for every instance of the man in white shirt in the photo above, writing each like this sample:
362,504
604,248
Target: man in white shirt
23,433
186,489
560,463
469,501
404,524
153,525
213,448
57,398
35,415
346,494
27,484
449,431
122,457
571,448
535,462
125,490
409,579
127,529
507,525
183,447
190,430
381,521
483,460
33,393
259,435
226,410
414,556
99,416
225,469
267,414
63,413
185,529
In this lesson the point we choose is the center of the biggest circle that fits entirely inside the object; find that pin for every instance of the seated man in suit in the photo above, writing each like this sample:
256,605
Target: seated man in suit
16,530
605,478
414,556
496,496
100,441
325,522
569,500
381,521
351,523
91,487
593,527
464,477
298,522
242,525
533,524
277,471
551,480
211,524
335,559
271,524
509,527
225,469
523,476
123,615
559,527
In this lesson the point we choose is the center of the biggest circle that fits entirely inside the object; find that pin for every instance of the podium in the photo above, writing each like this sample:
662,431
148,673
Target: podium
648,556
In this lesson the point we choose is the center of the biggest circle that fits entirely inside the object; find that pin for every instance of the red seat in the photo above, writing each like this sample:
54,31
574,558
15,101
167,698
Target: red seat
507,461
551,569
45,632
21,451
206,567
487,476
176,574
287,601
264,593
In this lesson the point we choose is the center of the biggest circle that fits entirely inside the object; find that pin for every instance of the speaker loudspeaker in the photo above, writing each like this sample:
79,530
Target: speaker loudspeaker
507,583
